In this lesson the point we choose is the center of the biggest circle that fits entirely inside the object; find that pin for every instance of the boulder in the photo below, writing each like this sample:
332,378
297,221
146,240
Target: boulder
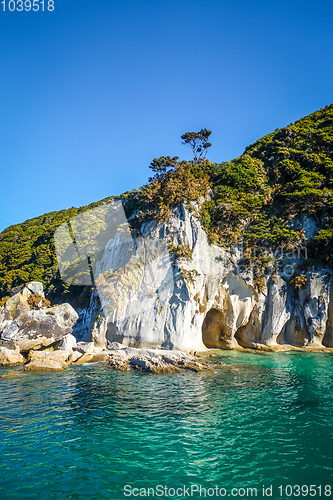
59,356
14,307
119,363
65,314
68,343
46,361
10,344
34,287
157,361
44,365
10,357
84,358
74,356
152,365
100,356
86,347
92,358
115,345
99,332
36,329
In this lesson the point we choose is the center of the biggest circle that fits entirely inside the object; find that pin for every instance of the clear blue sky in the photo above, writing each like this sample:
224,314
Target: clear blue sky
92,92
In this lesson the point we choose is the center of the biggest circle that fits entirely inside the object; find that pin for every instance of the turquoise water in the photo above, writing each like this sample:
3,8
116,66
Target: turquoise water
87,432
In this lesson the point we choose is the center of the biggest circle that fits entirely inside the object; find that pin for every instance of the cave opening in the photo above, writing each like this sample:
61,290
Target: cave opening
212,328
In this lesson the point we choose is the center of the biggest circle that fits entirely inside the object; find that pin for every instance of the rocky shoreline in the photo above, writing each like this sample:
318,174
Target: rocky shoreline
117,357
39,337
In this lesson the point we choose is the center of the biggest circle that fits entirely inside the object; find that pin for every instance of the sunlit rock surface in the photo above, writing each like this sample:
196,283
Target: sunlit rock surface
31,328
151,298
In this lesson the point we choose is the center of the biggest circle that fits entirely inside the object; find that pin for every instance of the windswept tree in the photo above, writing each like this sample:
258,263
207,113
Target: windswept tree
161,165
198,142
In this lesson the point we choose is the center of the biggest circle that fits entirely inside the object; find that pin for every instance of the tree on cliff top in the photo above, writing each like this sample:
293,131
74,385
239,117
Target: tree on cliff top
198,142
161,165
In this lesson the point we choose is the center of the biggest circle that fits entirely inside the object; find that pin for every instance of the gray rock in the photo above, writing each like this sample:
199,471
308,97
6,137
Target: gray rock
33,329
157,361
9,344
98,335
35,287
86,347
68,343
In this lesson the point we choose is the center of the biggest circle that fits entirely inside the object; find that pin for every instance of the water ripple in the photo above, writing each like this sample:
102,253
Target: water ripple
87,432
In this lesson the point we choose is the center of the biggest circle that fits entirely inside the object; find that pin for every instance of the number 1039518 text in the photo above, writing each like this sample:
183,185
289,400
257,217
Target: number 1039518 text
20,5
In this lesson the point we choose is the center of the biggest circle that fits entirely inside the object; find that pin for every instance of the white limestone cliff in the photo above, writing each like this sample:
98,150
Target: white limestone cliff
152,299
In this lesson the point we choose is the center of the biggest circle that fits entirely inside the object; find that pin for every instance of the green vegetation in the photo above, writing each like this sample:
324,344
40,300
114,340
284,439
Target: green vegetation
198,142
189,275
181,251
298,281
36,301
184,182
3,301
27,253
282,175
255,197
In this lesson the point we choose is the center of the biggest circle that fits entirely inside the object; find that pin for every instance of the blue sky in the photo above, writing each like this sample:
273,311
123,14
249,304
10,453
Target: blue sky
91,92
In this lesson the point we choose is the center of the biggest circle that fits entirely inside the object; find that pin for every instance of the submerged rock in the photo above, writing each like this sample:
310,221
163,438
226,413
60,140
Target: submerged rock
44,365
156,361
10,375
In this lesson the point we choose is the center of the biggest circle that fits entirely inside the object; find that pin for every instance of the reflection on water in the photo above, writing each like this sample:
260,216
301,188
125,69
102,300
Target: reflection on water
85,433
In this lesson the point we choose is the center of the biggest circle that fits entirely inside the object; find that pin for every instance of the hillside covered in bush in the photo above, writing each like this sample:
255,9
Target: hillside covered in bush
259,196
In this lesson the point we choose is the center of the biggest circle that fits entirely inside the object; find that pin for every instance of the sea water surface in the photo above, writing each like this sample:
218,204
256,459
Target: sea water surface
262,420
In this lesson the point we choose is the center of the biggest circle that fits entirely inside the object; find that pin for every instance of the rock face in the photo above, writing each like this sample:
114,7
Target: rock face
33,329
154,299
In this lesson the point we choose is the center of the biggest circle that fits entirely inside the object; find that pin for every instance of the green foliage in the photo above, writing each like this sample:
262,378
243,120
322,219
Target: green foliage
299,162
3,301
187,181
189,275
198,142
285,173
35,300
320,248
181,251
270,231
27,251
260,283
161,165
298,281
240,192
